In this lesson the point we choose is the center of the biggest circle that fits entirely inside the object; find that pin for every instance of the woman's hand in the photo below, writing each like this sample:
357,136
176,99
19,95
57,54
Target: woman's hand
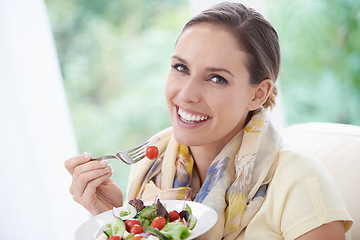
91,184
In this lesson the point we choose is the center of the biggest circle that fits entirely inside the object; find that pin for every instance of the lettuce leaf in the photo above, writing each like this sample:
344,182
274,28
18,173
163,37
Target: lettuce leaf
138,204
161,210
176,231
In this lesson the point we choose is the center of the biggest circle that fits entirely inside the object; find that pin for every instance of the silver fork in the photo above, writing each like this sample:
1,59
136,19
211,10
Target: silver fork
136,154
129,156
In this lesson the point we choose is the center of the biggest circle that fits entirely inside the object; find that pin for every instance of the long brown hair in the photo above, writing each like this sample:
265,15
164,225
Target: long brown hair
254,35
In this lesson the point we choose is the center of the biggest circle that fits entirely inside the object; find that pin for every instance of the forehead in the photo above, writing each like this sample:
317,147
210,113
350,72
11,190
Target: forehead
213,42
207,34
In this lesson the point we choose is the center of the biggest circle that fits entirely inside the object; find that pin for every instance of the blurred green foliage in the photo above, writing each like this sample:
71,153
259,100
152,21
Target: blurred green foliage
115,56
320,72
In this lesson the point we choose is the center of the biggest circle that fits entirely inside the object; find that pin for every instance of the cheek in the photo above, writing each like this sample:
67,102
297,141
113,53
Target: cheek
170,90
171,87
231,109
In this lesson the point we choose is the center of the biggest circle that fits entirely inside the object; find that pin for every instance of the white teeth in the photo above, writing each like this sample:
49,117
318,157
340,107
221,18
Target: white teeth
189,117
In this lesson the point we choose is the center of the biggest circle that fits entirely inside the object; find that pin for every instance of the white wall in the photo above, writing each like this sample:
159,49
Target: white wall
36,134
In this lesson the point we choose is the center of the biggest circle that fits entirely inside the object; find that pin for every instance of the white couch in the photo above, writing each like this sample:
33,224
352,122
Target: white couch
337,146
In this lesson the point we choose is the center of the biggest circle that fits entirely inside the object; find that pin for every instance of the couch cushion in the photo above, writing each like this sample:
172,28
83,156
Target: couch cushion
337,146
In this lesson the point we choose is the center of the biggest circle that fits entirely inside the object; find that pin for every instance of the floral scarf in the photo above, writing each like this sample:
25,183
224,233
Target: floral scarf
236,182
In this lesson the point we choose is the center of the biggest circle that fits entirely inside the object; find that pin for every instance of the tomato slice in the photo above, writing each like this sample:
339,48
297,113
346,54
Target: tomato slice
152,152
131,222
180,220
115,237
158,222
137,237
173,215
136,229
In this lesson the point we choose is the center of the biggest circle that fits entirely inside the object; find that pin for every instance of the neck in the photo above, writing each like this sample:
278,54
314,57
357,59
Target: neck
203,158
204,155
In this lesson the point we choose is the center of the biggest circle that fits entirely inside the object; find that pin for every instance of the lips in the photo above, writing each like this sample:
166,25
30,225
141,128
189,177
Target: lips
191,118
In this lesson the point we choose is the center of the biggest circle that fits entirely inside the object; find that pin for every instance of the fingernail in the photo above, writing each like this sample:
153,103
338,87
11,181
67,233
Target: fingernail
87,155
108,167
103,162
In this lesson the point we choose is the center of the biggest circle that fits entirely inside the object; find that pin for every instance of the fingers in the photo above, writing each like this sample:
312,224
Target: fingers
88,197
87,176
87,172
73,162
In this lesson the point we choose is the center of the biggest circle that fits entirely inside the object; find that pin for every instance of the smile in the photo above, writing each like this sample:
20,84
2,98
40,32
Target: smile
191,118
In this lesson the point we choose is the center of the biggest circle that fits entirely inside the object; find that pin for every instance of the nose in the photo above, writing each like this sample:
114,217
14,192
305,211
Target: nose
190,91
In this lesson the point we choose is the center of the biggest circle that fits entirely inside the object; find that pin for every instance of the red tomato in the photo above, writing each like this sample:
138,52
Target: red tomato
158,222
152,152
182,221
115,237
136,237
131,222
136,229
173,215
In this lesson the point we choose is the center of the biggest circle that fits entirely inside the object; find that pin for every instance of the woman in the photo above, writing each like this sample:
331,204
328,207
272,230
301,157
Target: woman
222,150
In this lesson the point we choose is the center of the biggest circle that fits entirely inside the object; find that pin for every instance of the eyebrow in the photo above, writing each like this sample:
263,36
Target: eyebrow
214,69
211,69
179,58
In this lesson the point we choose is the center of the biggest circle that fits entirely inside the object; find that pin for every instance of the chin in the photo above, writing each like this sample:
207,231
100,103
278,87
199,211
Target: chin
184,138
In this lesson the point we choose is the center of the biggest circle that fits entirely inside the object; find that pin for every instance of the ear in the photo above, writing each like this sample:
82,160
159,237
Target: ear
260,94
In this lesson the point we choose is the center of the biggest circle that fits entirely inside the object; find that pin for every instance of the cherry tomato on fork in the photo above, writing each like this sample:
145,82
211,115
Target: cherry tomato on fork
152,152
158,222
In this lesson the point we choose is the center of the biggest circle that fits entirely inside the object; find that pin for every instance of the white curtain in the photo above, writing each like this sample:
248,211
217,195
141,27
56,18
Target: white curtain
36,134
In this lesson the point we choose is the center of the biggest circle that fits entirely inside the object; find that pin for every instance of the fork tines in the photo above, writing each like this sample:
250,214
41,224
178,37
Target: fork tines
139,152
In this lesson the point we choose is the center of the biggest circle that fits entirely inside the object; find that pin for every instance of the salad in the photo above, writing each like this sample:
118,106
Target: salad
151,222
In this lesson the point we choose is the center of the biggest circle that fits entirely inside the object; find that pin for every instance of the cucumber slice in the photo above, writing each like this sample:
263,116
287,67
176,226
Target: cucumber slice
156,232
145,212
192,222
116,227
108,230
130,213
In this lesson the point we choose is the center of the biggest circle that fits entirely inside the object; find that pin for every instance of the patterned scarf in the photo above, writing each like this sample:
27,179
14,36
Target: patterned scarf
236,182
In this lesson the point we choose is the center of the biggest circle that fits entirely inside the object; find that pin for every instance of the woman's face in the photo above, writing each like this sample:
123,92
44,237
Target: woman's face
208,90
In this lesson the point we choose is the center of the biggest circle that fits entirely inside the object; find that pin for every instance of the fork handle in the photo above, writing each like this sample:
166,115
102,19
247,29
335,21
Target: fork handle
104,157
